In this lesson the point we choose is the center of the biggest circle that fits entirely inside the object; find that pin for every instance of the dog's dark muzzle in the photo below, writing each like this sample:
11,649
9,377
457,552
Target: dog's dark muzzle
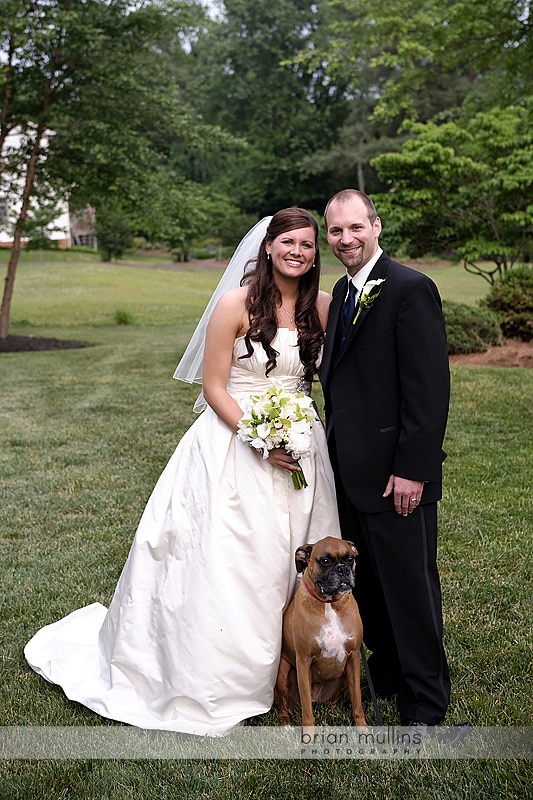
339,579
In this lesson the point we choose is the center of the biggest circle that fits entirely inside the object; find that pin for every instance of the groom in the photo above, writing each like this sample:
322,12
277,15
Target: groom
385,378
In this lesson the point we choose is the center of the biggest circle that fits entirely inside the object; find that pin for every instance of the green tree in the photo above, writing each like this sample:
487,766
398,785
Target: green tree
176,212
94,89
114,233
485,44
356,57
347,160
246,81
464,187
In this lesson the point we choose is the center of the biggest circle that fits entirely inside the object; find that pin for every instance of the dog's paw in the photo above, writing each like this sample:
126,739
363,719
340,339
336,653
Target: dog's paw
288,728
363,729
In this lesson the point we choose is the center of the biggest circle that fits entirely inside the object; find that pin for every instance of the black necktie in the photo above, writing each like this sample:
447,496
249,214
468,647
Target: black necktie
348,311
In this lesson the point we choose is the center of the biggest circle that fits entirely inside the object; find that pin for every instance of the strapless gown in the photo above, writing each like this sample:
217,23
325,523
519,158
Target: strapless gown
191,640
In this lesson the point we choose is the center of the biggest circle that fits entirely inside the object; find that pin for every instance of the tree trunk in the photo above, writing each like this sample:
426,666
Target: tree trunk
19,230
360,177
8,94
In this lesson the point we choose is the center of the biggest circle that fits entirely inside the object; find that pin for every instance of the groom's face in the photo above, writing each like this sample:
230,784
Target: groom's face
352,237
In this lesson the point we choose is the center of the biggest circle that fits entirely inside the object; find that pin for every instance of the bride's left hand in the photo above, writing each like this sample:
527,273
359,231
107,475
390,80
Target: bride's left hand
279,457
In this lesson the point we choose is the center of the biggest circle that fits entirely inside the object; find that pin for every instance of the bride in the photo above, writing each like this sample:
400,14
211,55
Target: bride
191,640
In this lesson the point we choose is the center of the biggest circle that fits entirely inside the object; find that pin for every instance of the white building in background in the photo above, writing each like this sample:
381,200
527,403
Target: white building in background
82,227
10,203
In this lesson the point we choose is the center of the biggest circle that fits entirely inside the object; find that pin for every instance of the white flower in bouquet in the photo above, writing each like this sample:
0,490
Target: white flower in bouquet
279,418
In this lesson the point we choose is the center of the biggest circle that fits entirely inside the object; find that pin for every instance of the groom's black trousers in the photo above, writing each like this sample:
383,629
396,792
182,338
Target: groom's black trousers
399,597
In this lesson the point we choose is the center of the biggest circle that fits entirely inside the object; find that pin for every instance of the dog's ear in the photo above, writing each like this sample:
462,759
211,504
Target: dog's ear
301,557
353,548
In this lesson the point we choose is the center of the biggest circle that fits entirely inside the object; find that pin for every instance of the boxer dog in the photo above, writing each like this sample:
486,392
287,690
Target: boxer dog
322,633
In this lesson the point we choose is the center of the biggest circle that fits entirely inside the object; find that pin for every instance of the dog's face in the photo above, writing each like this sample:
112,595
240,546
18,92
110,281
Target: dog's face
329,564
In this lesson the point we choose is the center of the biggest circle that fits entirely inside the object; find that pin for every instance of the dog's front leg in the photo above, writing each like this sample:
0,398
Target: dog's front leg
281,693
353,677
303,675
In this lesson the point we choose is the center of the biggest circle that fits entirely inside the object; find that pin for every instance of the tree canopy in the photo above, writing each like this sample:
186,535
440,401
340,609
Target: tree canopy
186,121
485,44
464,187
247,81
94,91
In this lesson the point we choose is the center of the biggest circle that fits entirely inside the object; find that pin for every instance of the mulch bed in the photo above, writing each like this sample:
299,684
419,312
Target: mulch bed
509,354
26,344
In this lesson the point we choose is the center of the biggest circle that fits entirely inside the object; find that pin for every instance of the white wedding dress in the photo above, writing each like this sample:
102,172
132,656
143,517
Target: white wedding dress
191,640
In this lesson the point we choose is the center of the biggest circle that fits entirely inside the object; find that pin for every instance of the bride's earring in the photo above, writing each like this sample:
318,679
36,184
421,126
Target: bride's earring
269,258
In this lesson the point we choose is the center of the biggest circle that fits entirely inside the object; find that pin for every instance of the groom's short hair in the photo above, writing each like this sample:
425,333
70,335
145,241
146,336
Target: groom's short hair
348,194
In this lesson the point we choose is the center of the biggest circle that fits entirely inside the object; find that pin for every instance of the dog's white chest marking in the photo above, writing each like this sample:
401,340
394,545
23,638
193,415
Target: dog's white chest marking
332,637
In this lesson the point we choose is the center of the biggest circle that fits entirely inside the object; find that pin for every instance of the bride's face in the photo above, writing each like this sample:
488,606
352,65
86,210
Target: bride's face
293,252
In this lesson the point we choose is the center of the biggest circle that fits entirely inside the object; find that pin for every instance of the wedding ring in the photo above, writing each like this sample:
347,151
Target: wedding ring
413,499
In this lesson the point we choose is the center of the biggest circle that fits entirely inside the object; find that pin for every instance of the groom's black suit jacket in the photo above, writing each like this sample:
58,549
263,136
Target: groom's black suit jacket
387,391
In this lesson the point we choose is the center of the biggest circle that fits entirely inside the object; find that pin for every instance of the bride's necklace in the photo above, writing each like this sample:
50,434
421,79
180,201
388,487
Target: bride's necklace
291,318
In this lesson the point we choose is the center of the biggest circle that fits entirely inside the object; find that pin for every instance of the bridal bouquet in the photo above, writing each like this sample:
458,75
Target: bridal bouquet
279,419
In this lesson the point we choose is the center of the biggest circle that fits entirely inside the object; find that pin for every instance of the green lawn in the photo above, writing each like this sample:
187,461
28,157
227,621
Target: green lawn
84,435
71,276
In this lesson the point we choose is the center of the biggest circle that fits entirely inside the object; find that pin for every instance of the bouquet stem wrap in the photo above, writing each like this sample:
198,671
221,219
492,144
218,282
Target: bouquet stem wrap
298,477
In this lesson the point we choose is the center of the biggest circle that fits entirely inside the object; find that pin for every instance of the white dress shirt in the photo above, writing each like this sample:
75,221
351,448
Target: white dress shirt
361,277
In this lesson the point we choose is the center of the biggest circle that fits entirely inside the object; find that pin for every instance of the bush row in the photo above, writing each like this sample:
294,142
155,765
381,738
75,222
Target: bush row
507,311
470,329
512,299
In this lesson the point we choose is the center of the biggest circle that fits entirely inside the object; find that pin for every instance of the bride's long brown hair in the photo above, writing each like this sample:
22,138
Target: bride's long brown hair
264,297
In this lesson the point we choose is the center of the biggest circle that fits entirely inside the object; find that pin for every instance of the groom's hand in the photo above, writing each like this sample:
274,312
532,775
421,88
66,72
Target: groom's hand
407,494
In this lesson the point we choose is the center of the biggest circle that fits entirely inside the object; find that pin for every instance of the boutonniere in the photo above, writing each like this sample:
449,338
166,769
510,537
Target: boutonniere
366,299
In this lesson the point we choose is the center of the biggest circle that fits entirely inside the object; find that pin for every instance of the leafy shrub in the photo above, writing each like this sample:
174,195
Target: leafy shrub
114,235
123,317
80,248
233,226
470,329
512,299
200,255
227,252
41,242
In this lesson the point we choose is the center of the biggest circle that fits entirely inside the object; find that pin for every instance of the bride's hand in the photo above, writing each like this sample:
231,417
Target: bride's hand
279,457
